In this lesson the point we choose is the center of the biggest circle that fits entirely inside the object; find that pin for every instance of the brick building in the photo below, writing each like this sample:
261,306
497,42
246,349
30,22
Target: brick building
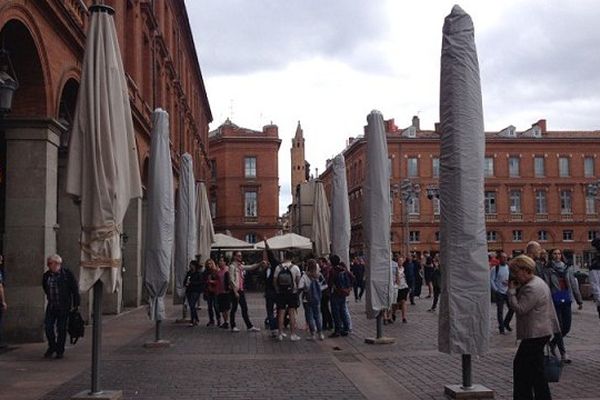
46,43
535,188
244,189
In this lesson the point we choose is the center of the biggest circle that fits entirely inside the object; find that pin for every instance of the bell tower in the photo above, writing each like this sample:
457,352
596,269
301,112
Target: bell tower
298,162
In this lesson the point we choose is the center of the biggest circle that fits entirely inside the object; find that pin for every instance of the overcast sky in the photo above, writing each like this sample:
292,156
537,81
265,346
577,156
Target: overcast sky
328,63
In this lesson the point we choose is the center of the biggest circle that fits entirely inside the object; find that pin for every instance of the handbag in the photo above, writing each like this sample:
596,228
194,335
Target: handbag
552,366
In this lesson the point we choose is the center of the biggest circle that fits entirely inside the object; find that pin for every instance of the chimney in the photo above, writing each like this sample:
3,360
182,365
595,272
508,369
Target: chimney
390,126
437,127
542,124
416,123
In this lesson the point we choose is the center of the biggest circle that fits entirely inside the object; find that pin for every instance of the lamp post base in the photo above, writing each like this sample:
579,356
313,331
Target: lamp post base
381,340
472,392
103,395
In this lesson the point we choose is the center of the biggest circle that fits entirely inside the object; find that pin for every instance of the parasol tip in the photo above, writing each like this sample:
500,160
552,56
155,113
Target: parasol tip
457,10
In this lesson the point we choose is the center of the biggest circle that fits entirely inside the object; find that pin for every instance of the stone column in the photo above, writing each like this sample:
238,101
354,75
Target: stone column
31,221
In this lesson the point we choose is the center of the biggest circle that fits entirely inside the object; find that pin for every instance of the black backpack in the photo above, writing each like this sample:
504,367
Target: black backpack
76,326
285,280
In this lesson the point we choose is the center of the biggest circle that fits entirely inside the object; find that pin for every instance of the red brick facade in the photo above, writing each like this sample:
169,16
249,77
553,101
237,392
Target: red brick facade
522,205
46,41
244,190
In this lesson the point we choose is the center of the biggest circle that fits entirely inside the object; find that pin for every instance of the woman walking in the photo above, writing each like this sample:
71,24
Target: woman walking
312,284
211,280
193,289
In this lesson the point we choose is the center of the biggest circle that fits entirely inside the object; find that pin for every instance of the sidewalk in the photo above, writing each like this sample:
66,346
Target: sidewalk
212,363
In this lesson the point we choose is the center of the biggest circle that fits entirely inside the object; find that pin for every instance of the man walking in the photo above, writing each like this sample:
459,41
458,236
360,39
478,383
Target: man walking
341,282
62,293
286,279
499,283
534,250
358,270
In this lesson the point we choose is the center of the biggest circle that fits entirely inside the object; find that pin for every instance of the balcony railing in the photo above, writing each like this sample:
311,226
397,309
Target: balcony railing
541,217
516,217
566,216
491,217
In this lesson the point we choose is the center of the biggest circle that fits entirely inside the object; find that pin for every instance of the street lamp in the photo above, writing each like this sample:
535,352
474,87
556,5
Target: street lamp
409,191
8,82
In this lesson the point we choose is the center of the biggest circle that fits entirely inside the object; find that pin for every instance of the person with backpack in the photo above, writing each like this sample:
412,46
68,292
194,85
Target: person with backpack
62,293
270,292
564,288
341,282
326,295
194,286
499,284
285,280
311,286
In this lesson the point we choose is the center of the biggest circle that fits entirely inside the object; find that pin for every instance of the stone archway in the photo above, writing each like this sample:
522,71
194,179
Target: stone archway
30,140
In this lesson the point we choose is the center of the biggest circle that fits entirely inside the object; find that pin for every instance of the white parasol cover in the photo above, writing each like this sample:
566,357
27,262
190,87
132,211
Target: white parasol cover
288,241
160,220
103,171
185,223
465,301
376,219
321,221
206,232
340,211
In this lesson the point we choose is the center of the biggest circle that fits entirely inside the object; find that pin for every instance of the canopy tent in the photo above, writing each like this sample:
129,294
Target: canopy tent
465,300
160,220
321,220
205,233
226,242
340,211
288,241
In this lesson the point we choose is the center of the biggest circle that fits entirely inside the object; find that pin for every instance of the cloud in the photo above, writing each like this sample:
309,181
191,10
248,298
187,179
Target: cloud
239,36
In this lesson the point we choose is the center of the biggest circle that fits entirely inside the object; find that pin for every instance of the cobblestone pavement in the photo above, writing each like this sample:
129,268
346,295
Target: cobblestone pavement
212,363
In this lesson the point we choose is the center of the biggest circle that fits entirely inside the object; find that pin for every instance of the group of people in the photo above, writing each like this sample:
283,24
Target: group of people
541,292
321,285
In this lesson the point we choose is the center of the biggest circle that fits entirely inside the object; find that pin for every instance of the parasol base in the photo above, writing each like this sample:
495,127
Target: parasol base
158,344
381,340
102,395
473,392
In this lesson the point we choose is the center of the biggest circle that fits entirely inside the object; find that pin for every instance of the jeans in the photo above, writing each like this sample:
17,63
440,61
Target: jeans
563,312
271,320
213,308
241,300
359,289
339,310
503,321
312,311
436,296
529,381
55,324
325,312
192,299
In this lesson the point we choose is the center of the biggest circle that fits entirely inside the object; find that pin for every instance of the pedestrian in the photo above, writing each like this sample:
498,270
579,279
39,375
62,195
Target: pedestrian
285,280
194,286
3,305
403,289
62,294
428,272
358,270
499,284
594,275
436,281
534,250
410,271
341,283
223,292
564,288
326,295
311,286
237,273
536,322
418,267
270,292
211,280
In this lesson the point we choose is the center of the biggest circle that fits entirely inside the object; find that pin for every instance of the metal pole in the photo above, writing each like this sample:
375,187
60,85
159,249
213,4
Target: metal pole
379,321
96,337
466,371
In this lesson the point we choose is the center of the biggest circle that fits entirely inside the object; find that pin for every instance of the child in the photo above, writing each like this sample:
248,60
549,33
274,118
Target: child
312,284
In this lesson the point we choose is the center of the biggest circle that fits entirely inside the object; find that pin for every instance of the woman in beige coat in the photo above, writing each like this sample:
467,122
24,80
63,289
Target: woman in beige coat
530,298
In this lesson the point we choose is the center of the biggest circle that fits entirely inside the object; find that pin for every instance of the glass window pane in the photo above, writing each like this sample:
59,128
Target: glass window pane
513,166
565,202
250,206
435,162
540,202
250,167
563,166
488,167
412,167
515,201
588,167
539,166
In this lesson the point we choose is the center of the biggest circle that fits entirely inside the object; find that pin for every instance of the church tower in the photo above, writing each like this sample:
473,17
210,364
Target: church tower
298,162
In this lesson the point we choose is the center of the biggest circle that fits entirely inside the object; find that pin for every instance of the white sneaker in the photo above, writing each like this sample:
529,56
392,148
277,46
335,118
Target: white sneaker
321,336
235,329
295,338
311,337
280,338
253,329
283,334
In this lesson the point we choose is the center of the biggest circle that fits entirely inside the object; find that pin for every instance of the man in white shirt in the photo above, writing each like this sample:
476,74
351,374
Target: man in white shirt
499,276
237,274
285,279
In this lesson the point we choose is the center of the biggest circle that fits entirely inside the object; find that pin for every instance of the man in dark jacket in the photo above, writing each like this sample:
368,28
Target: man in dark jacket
62,292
